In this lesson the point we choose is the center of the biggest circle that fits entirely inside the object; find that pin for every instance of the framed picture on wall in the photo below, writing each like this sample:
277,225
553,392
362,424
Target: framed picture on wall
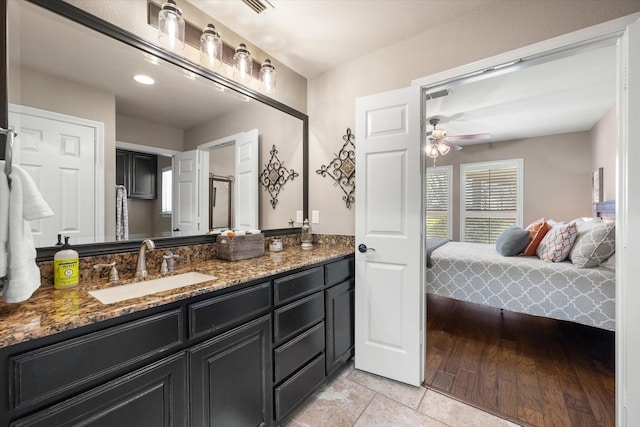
596,185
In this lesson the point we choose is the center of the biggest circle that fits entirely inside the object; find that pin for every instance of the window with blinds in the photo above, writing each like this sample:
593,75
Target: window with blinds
438,201
491,199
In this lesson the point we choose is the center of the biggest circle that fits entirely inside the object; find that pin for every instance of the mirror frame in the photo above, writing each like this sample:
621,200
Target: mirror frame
94,23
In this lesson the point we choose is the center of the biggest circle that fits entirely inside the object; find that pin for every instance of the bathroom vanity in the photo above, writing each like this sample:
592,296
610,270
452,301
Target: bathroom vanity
244,349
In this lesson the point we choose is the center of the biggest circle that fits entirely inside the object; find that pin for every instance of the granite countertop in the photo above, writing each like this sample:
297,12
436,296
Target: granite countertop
50,311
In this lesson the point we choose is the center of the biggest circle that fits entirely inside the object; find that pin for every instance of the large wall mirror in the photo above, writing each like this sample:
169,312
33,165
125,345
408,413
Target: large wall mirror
72,75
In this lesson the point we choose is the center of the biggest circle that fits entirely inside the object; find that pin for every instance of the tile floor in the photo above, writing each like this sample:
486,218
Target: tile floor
356,398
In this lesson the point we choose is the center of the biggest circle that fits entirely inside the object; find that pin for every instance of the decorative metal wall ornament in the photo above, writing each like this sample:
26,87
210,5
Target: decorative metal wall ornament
342,168
275,176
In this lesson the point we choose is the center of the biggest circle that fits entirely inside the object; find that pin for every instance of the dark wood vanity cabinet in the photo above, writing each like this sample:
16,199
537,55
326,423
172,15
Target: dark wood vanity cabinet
138,172
339,312
230,381
244,356
313,330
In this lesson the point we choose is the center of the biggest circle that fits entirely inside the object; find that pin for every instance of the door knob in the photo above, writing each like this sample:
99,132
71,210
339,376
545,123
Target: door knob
363,248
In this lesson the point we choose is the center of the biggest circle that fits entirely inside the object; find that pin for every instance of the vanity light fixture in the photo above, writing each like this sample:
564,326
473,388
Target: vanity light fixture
145,80
211,47
171,26
268,76
242,64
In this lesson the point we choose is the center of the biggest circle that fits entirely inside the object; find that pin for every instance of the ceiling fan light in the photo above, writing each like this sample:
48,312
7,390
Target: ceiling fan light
432,150
211,47
439,134
443,149
171,26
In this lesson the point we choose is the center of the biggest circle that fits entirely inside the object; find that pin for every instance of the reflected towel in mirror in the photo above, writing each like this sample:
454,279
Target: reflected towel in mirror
122,213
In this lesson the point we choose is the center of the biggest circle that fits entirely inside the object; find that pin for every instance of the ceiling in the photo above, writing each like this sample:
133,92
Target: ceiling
311,37
567,95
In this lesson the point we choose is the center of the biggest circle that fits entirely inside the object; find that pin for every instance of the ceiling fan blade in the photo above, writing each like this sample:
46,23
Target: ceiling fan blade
467,137
454,147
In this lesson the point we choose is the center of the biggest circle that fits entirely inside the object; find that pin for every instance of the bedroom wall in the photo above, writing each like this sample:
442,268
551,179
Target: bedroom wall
507,26
604,148
556,175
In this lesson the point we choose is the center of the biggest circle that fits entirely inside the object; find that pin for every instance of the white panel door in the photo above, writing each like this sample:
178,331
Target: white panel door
246,191
59,152
389,318
186,178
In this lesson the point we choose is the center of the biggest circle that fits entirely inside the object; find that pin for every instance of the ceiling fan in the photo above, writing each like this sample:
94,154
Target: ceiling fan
439,144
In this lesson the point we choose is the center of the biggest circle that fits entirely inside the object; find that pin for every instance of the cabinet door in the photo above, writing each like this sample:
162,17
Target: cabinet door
155,396
339,303
230,378
143,176
122,168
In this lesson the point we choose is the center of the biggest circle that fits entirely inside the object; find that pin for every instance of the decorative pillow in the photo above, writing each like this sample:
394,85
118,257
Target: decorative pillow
595,243
512,241
537,231
556,244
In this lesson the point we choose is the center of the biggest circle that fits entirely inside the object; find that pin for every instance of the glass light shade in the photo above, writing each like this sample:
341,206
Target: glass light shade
443,149
268,76
242,64
432,150
211,47
171,26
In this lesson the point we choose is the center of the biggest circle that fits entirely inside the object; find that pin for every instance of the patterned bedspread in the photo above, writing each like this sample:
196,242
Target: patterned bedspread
477,273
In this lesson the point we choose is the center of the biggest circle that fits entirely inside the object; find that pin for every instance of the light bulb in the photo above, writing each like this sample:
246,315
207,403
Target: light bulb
211,47
268,76
171,26
243,64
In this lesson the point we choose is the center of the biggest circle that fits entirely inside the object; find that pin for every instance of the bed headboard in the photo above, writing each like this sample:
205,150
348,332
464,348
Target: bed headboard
605,210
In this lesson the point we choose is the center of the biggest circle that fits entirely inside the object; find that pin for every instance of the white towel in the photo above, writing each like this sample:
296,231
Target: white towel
25,204
122,213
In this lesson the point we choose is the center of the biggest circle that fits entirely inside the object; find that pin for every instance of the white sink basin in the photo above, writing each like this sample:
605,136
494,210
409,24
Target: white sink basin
148,287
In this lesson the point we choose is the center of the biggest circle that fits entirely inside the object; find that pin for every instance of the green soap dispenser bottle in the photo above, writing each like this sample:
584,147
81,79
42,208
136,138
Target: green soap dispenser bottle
66,267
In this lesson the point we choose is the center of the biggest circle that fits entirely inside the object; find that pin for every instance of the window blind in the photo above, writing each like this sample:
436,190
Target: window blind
438,203
491,201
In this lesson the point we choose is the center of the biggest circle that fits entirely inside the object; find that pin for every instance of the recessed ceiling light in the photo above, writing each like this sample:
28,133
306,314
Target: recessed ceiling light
145,80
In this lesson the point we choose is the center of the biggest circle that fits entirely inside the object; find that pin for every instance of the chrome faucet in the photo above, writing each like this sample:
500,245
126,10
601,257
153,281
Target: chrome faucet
141,269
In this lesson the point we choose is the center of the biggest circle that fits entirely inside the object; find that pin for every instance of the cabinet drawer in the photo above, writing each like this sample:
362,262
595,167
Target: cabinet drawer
296,285
59,369
297,352
155,395
339,271
227,310
297,388
297,316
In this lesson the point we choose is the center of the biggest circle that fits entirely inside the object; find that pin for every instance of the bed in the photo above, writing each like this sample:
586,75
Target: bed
477,273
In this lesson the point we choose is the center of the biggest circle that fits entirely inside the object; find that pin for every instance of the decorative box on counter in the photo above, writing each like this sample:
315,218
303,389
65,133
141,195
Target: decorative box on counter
236,248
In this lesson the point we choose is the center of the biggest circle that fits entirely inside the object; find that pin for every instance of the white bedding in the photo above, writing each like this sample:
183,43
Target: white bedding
477,273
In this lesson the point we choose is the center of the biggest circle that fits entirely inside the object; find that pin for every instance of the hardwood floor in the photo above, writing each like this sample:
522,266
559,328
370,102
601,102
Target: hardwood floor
532,370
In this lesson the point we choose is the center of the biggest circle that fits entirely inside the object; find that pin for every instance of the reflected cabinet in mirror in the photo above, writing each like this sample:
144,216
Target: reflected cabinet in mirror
97,109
